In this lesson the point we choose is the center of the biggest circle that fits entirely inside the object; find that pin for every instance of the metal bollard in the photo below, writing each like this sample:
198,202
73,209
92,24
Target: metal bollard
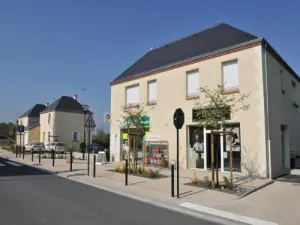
40,156
71,161
94,166
17,151
88,164
53,158
23,149
31,155
172,180
126,172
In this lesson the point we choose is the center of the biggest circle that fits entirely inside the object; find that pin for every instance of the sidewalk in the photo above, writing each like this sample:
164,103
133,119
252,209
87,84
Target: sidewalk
276,203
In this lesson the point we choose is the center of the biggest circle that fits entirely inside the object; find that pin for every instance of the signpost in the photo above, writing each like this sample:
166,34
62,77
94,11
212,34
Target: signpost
20,129
178,120
89,124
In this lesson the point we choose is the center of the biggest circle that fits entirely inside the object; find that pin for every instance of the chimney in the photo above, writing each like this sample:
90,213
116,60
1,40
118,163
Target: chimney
76,97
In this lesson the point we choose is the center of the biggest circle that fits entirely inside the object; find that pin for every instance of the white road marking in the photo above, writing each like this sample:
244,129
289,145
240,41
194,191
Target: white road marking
2,164
223,214
13,163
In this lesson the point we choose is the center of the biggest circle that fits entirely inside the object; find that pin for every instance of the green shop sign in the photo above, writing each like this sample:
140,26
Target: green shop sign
144,121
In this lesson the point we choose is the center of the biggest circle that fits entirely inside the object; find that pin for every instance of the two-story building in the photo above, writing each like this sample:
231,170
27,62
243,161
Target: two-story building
169,77
31,121
64,121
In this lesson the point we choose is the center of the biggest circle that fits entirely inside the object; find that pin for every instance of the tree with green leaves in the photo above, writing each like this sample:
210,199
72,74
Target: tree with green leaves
103,137
215,111
135,128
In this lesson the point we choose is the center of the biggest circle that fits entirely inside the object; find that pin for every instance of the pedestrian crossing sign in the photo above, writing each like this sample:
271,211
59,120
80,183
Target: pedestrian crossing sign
90,123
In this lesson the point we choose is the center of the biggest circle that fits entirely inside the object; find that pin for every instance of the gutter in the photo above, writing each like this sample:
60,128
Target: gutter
267,119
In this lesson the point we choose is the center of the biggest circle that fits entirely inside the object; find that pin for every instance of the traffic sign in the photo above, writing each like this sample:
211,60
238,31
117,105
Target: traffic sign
90,123
21,128
178,118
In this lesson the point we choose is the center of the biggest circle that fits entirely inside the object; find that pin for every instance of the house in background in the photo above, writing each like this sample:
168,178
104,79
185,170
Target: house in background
63,121
30,119
169,77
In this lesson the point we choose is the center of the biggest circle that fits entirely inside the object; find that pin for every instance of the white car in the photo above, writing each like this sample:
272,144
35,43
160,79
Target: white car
35,146
56,146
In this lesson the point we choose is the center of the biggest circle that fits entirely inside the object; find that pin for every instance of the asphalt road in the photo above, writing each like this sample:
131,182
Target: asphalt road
29,196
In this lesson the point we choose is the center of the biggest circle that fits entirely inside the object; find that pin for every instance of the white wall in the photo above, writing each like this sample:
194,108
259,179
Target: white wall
282,112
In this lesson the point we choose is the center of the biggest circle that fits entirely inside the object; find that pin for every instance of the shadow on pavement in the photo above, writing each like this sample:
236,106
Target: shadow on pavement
290,179
10,168
76,174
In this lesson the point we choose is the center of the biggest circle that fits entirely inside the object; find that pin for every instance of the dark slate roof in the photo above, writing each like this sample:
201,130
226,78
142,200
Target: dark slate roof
34,111
215,38
33,123
65,104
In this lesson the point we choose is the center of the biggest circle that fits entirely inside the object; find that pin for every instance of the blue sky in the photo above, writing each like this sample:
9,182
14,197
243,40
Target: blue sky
52,48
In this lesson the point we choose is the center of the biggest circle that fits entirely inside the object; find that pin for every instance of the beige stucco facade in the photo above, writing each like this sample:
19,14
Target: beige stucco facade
34,134
171,94
25,137
62,124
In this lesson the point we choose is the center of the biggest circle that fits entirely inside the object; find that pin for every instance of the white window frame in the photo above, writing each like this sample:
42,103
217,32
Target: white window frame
78,136
192,91
134,101
234,84
153,99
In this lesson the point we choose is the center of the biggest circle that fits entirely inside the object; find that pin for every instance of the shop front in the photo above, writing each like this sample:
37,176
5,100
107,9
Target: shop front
199,148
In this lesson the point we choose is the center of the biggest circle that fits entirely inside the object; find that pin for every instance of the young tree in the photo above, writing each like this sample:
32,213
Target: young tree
133,121
103,137
215,110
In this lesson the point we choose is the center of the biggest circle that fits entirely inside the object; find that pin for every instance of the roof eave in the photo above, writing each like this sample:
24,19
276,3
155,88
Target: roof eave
114,82
271,50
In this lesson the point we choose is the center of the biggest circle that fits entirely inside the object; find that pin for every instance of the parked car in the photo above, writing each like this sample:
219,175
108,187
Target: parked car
35,146
97,148
56,146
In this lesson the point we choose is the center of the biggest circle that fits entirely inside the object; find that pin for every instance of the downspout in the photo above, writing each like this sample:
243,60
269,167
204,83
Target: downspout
267,112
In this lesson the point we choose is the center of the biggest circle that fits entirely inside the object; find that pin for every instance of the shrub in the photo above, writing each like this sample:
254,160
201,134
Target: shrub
44,156
195,179
153,173
227,182
140,170
120,168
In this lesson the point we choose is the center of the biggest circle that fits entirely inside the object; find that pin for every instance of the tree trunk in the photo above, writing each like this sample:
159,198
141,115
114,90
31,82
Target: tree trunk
212,162
134,153
217,163
231,169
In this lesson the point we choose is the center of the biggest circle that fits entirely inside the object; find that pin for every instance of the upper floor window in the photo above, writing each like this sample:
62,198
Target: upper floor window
282,82
132,95
152,92
230,75
192,89
75,136
49,118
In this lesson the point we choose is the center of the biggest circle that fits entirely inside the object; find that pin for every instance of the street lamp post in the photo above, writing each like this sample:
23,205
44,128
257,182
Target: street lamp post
85,108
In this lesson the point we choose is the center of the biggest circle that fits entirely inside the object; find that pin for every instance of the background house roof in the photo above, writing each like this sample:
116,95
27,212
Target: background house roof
33,123
66,104
34,111
215,38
